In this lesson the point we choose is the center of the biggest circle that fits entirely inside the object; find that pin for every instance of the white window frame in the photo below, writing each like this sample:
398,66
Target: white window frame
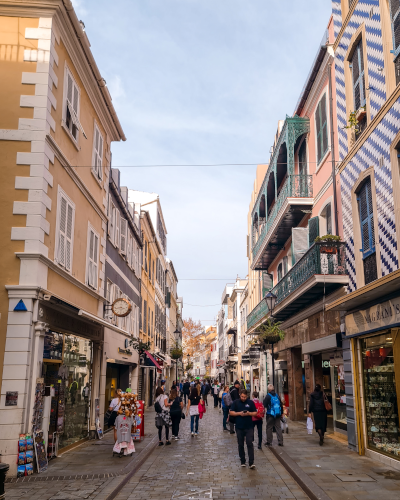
97,154
57,258
75,114
92,261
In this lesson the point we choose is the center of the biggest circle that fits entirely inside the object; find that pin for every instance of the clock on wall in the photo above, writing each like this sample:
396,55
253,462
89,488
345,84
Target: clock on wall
121,307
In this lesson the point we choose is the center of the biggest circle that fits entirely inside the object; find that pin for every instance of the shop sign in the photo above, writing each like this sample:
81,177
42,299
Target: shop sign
375,317
127,352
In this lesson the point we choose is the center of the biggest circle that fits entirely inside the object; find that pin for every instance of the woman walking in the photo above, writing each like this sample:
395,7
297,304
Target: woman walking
163,419
317,408
176,412
225,408
193,409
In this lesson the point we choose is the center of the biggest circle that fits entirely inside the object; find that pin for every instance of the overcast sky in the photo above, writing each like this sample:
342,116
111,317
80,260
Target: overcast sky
202,82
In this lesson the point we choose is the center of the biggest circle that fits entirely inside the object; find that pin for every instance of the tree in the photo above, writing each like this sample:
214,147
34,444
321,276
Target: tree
191,329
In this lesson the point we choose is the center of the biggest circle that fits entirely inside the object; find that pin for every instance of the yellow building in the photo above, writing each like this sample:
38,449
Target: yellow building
57,123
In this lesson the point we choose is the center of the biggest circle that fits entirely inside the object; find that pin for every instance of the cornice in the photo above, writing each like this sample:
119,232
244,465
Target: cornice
344,25
74,175
318,86
371,127
64,274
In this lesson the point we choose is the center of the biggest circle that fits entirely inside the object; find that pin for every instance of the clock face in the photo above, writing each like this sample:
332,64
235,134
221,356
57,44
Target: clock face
121,307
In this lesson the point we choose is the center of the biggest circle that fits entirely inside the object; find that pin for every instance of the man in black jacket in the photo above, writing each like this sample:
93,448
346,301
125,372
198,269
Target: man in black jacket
234,392
186,390
274,410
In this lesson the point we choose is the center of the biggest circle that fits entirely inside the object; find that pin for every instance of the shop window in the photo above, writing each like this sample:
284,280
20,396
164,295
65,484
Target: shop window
64,231
358,76
366,214
380,392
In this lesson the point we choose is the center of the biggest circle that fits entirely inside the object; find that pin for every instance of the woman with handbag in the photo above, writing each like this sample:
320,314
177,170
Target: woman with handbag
319,407
176,412
163,416
112,412
193,409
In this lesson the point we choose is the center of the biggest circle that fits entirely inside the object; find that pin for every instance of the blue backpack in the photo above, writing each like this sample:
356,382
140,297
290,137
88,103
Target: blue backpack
275,408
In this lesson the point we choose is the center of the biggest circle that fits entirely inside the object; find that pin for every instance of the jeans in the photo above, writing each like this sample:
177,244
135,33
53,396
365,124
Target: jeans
215,400
194,418
160,432
271,423
176,420
247,434
258,424
225,417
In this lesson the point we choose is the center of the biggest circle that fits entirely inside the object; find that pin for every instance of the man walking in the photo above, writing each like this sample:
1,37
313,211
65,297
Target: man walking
215,393
273,406
234,392
186,390
243,409
205,389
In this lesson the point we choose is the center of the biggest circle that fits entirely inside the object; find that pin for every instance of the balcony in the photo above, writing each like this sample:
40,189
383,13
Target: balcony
295,199
321,270
232,327
284,197
233,350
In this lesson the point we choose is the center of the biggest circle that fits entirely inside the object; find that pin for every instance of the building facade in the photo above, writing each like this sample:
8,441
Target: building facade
57,119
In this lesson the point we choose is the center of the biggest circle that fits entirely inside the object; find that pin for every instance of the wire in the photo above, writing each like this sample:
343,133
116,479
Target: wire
196,305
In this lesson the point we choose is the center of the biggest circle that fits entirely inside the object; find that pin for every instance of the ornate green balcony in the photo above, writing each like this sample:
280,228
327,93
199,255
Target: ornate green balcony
321,270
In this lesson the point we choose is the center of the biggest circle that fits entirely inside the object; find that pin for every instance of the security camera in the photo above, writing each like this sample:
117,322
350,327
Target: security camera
46,297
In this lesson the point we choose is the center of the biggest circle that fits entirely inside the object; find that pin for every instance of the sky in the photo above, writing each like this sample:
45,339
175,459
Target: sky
202,82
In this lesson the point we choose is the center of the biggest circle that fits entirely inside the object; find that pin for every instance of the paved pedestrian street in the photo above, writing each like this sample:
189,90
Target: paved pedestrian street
208,467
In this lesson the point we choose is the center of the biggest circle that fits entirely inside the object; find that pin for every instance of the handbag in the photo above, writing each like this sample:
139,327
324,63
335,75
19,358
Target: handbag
328,406
183,416
107,416
159,421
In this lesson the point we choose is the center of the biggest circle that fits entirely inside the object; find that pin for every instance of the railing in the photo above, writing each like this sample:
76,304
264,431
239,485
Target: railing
233,350
295,186
321,258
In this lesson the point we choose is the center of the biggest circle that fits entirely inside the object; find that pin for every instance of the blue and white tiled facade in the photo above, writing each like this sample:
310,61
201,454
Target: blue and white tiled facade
378,144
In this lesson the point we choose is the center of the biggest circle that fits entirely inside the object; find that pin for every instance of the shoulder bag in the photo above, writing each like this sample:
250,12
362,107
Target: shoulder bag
328,406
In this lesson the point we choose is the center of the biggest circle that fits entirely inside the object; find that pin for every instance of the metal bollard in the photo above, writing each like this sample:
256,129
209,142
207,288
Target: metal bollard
3,471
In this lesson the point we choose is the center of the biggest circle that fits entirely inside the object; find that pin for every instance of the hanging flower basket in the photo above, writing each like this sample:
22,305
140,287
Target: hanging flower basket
270,333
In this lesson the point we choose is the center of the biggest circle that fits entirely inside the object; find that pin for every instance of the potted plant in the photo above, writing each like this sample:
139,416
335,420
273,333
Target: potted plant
329,243
176,352
270,332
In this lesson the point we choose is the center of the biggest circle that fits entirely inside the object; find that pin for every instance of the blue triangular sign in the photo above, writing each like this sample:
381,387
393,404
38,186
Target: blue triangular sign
20,306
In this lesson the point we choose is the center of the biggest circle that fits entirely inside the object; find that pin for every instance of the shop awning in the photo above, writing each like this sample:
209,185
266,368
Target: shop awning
324,344
153,360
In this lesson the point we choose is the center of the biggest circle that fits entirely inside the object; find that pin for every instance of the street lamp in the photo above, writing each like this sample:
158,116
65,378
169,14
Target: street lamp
270,300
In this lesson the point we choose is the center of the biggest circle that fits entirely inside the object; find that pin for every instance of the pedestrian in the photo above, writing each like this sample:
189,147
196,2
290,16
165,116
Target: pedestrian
193,409
186,390
215,393
258,419
176,412
234,393
205,391
317,408
115,405
163,385
174,385
220,398
180,388
198,387
273,406
225,408
243,409
163,418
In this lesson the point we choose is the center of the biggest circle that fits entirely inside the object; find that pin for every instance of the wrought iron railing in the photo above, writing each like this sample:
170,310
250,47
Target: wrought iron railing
295,186
321,258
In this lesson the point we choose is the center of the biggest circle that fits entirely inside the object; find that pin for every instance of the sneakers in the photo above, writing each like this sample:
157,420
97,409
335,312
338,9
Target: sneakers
252,466
176,438
167,443
192,434
160,443
196,433
280,444
243,464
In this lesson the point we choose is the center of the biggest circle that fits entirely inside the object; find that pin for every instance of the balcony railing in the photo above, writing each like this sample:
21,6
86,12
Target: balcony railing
296,186
320,259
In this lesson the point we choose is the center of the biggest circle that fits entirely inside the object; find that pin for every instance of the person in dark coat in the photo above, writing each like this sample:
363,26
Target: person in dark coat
234,392
317,408
186,390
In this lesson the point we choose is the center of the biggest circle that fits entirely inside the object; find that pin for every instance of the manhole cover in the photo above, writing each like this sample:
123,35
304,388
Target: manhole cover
355,478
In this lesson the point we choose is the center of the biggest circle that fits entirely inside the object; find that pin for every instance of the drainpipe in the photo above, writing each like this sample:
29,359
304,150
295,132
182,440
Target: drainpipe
335,211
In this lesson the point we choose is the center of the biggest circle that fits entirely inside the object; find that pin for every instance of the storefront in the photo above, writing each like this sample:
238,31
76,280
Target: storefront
375,333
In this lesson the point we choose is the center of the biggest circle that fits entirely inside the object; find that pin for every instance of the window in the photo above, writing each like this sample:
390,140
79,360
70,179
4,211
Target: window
117,231
71,106
97,161
145,256
108,291
123,235
321,124
64,231
145,316
326,220
112,217
280,270
358,76
366,213
92,258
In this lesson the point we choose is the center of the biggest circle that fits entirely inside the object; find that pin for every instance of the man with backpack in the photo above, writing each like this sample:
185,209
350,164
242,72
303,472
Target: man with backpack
273,406
258,420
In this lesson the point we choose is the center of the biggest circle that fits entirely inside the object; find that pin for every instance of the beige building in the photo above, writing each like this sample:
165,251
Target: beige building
57,123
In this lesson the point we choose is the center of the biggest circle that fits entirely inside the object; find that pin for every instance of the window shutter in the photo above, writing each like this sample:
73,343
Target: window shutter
366,219
280,272
318,131
267,282
65,236
357,67
324,127
93,259
285,265
313,230
117,238
100,158
68,241
123,229
62,231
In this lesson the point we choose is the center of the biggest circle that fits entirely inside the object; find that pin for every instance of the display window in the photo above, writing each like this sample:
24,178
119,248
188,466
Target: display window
381,393
338,397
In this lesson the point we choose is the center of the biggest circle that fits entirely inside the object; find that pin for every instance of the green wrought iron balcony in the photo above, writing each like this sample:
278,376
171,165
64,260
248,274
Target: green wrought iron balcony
321,270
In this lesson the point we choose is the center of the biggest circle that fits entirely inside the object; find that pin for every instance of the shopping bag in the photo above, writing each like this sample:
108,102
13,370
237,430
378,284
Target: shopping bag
310,425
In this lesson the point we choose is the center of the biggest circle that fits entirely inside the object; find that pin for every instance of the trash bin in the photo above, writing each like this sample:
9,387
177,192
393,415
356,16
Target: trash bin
3,471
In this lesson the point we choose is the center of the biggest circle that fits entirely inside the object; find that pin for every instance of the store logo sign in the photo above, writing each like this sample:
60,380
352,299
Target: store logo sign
378,316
